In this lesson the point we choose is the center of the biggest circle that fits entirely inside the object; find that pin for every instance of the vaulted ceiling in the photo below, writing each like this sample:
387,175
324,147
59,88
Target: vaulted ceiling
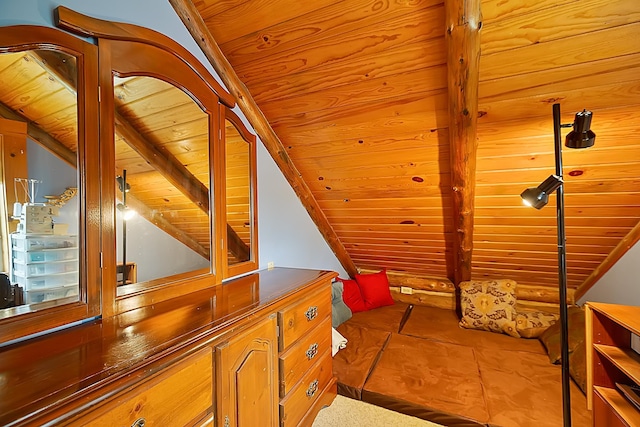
358,94
408,152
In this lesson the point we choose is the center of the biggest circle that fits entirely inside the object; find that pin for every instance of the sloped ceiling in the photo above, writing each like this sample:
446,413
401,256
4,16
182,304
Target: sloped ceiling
356,91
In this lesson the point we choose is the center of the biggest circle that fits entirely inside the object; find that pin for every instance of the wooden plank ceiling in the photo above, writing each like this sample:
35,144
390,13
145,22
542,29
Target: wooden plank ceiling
356,91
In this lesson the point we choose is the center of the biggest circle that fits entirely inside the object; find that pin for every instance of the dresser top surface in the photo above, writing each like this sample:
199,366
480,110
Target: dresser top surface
37,372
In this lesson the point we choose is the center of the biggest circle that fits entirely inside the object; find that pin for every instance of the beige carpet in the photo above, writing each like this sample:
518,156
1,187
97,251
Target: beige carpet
345,412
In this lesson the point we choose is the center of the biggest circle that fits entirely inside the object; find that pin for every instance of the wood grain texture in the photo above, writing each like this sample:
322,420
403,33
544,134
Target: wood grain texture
331,22
357,98
179,396
389,34
463,24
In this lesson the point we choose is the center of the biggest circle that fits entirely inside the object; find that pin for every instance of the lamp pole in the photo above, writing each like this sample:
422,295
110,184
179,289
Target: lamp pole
124,227
562,271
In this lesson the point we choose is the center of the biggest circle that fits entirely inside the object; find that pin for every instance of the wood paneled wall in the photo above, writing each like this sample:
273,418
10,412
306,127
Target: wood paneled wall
357,92
581,54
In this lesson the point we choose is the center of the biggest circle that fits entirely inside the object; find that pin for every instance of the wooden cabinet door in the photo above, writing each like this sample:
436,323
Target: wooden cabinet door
247,377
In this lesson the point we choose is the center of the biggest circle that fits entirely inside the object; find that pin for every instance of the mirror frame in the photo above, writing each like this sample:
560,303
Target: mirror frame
252,264
109,35
27,321
96,167
126,59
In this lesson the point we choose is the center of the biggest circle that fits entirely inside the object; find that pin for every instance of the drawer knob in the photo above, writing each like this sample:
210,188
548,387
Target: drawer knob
313,350
140,422
313,387
311,313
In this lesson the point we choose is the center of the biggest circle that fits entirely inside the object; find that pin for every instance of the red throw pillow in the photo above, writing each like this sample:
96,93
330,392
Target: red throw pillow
375,289
351,295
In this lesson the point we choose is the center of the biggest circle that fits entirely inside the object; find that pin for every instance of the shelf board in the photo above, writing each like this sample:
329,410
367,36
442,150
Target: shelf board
620,405
625,359
626,316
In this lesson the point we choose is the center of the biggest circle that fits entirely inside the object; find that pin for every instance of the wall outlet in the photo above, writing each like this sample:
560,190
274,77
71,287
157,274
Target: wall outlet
270,265
406,290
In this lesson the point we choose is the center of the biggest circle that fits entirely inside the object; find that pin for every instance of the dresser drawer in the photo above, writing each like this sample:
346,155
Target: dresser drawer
297,360
296,404
299,318
177,396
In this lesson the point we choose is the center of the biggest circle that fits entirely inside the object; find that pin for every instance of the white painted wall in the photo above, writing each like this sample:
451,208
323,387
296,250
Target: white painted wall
621,284
56,176
168,257
287,236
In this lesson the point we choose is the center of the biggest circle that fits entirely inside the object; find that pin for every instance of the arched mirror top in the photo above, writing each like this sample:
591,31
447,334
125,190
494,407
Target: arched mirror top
239,125
48,129
26,37
92,27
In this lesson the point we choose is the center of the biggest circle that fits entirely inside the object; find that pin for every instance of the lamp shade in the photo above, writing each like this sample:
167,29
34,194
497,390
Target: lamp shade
538,197
534,198
127,212
581,136
123,186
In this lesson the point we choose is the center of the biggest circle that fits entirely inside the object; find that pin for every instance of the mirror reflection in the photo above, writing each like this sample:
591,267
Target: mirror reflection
162,185
39,139
238,195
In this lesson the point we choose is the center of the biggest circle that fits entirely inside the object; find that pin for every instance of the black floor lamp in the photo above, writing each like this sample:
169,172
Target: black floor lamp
580,137
127,214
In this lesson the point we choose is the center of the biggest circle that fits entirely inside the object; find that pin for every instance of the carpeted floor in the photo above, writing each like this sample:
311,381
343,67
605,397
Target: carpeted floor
346,412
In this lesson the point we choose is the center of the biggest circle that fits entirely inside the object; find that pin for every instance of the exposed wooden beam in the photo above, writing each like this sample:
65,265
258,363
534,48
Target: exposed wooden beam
464,20
438,286
60,65
164,162
177,174
614,256
236,245
192,20
36,133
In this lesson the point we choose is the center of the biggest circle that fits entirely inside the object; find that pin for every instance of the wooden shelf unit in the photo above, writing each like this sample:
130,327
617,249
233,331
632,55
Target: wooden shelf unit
611,360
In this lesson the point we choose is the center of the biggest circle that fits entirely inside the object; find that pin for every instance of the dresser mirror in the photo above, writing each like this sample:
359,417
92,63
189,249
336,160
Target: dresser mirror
159,124
43,118
162,144
240,191
162,184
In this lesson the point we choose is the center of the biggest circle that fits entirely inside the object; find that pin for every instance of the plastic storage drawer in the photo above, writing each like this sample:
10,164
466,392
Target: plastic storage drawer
47,281
40,268
43,295
47,255
22,242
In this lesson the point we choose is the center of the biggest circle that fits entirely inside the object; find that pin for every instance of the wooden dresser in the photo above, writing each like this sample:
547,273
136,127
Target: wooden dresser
611,360
253,351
